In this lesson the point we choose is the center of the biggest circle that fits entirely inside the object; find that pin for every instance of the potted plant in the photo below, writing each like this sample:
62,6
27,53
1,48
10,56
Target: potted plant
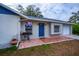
14,41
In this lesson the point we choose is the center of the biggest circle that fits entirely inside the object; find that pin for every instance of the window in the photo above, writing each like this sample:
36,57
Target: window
56,28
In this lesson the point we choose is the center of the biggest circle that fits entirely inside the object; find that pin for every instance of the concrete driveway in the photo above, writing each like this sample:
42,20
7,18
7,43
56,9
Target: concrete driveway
73,36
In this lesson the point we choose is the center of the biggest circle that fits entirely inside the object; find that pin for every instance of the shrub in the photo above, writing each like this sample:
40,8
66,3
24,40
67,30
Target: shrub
75,28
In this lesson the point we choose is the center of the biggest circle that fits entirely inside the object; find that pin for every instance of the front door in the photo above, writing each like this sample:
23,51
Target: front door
41,29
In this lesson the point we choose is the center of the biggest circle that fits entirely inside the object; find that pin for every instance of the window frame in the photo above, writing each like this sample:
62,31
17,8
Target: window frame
59,29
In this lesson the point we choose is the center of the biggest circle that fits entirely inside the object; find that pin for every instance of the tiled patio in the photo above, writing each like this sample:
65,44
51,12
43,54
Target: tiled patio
36,42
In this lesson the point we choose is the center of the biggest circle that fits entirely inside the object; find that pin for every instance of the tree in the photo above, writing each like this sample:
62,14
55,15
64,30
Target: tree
30,10
20,8
74,18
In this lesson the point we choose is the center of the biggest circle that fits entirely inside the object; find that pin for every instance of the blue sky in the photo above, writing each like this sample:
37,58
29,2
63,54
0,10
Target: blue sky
59,11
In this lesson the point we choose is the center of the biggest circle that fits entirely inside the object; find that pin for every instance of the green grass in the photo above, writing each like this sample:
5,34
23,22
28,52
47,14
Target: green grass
62,48
13,48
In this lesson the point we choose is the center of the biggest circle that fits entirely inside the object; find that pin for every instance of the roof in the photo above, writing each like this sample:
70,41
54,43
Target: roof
34,18
14,11
48,20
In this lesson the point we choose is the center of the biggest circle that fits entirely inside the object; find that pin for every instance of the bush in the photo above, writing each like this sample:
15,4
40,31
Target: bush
75,29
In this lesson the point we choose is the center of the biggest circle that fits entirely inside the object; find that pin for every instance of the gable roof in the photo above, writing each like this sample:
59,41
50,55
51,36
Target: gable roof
33,18
14,11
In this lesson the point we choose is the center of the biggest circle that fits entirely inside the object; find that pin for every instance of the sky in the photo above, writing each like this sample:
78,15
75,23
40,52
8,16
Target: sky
59,11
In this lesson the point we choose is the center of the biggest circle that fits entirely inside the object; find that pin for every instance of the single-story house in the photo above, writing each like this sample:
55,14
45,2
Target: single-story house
12,24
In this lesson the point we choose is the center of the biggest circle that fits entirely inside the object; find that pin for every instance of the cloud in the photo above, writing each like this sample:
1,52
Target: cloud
60,11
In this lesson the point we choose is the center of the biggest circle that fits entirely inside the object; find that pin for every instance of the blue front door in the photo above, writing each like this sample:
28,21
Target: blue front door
41,29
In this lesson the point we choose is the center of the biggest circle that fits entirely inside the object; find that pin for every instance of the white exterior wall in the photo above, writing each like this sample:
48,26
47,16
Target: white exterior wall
9,28
35,29
22,26
46,30
66,29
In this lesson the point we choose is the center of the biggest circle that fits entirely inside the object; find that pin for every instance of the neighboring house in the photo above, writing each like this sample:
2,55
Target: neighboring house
12,24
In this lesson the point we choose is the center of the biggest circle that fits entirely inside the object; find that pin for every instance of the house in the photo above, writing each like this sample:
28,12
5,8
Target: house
12,24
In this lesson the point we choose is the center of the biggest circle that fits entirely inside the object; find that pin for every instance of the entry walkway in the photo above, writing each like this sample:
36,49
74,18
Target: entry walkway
49,40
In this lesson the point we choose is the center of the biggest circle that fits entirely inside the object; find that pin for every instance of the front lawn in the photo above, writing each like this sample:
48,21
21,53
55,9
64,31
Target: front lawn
63,48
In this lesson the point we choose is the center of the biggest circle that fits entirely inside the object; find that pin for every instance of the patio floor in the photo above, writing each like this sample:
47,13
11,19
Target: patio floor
49,40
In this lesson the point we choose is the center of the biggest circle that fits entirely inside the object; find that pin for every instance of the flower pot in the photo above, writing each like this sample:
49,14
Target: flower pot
14,41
